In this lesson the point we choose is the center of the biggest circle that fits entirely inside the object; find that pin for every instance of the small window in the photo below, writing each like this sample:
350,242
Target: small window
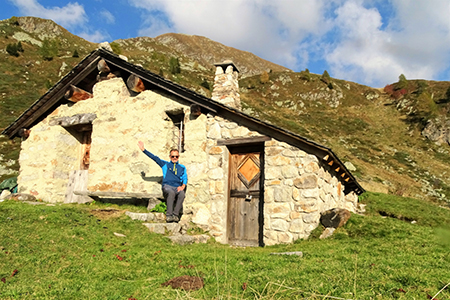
178,129
82,133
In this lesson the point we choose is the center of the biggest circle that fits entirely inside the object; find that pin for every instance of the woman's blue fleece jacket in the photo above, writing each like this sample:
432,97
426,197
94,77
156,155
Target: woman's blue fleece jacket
174,174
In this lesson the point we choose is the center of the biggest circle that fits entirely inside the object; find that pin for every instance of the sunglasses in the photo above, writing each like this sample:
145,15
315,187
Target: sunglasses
174,156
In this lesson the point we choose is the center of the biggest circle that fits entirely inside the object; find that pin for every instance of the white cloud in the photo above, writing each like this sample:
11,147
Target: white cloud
96,37
360,51
267,28
107,16
153,26
72,14
414,42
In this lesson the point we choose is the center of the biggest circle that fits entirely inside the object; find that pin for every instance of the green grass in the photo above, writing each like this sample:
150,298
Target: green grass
67,252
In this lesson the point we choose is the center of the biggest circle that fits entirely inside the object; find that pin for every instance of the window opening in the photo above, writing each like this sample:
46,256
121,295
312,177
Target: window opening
83,133
178,129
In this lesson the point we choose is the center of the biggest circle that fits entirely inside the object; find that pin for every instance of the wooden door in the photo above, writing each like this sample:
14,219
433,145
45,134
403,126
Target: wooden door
244,201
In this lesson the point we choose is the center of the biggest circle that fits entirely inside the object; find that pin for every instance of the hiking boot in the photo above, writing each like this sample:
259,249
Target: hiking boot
170,219
175,219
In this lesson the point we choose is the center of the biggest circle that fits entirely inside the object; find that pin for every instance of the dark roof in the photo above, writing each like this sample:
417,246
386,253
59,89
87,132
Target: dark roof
84,76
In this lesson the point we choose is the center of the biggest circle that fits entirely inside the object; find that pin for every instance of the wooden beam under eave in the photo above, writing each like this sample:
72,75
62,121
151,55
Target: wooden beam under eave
347,179
331,163
343,175
135,84
75,94
24,133
243,141
337,169
195,110
326,157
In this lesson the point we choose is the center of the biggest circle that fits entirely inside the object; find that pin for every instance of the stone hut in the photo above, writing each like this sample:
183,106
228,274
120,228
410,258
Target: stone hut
250,183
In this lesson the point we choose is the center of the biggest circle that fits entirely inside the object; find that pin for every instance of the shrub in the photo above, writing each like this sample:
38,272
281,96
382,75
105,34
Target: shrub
19,47
12,50
174,65
160,207
264,78
14,21
49,49
421,87
304,75
75,53
399,93
326,77
389,89
447,94
205,84
48,84
402,82
116,48
394,92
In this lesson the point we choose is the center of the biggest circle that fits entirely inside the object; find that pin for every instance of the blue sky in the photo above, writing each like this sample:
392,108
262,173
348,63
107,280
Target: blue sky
370,42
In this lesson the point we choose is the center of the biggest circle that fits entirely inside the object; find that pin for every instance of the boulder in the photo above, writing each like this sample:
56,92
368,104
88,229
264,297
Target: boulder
335,217
327,233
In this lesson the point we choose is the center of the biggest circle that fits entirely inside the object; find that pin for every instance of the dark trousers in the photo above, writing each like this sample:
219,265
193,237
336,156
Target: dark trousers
174,200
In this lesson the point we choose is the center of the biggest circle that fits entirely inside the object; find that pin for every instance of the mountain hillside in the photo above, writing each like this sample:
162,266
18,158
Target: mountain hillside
394,140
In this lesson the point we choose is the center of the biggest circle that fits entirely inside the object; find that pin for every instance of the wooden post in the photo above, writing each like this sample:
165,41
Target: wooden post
135,84
76,94
103,67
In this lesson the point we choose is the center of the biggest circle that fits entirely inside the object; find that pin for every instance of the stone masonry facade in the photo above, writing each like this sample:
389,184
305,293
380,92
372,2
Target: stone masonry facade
297,188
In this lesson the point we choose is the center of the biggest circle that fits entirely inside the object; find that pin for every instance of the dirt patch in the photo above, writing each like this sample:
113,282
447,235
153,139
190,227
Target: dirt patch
105,214
185,282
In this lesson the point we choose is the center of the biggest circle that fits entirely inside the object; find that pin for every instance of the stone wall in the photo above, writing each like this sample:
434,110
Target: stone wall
116,163
296,190
297,187
46,158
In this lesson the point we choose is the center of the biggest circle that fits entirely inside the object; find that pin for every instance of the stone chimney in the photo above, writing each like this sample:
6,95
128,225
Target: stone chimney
226,86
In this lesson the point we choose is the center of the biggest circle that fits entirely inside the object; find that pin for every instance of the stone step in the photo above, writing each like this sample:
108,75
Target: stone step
163,228
146,217
176,231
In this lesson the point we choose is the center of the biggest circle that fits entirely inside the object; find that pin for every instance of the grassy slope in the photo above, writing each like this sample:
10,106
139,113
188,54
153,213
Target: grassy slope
67,252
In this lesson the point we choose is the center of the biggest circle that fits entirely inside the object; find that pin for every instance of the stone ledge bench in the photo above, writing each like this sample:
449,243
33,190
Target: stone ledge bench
153,199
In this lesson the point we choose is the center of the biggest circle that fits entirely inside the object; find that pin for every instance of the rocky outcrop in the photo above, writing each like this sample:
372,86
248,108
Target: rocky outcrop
438,131
42,27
